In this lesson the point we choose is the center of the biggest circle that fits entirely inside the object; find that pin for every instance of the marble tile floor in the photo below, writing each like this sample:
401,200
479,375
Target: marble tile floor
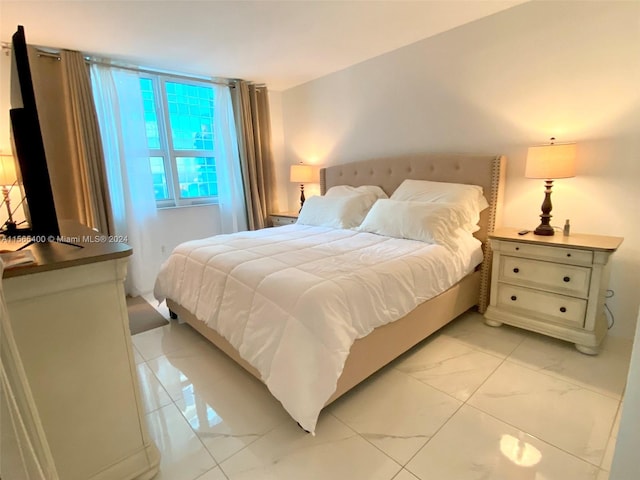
471,402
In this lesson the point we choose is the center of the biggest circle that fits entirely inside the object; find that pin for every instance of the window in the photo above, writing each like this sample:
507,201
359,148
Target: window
179,123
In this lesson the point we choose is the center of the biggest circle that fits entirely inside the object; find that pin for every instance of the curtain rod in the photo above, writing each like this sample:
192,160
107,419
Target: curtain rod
6,48
90,60
48,54
227,82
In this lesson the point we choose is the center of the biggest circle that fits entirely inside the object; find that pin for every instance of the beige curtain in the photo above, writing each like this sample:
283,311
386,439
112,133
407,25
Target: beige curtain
253,125
86,162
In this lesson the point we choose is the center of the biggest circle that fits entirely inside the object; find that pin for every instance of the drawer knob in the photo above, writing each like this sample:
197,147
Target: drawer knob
567,279
568,254
563,309
516,270
514,298
517,248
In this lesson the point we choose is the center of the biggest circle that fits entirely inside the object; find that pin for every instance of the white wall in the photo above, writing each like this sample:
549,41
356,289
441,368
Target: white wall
181,224
498,85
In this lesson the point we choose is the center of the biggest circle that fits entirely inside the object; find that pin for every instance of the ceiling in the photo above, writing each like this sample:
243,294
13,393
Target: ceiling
280,43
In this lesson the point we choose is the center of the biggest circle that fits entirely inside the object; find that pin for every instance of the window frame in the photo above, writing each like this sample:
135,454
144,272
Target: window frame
167,151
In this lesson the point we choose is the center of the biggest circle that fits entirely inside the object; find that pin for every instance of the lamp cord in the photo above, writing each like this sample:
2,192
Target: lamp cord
610,294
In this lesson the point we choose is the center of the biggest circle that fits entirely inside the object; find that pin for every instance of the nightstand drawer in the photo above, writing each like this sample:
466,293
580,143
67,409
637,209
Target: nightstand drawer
280,220
558,308
561,254
559,277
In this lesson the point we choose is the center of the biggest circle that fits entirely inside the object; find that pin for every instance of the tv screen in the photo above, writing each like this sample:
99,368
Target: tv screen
29,149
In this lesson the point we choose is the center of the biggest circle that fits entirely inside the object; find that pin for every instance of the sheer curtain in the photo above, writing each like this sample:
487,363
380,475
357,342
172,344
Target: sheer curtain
231,199
120,112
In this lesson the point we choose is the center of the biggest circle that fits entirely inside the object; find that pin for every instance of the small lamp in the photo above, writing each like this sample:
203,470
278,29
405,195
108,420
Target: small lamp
556,160
302,174
7,179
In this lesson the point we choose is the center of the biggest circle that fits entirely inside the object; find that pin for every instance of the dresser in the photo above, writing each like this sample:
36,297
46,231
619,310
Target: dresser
552,285
626,461
280,219
68,319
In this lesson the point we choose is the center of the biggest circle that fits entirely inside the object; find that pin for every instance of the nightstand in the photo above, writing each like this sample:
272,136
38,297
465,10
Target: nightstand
552,285
280,219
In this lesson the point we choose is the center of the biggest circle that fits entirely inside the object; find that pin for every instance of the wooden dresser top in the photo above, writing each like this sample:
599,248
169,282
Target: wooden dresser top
55,255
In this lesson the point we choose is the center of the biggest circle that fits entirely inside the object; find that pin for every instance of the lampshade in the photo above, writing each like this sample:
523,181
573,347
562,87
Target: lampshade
301,173
551,161
7,169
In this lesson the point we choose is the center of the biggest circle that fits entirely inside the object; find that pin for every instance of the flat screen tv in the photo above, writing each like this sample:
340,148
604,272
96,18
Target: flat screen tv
29,149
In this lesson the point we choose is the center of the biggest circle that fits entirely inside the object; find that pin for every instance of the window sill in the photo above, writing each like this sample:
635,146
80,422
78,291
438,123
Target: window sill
195,205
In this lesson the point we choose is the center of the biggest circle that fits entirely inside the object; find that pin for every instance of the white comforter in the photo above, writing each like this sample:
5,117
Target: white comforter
293,299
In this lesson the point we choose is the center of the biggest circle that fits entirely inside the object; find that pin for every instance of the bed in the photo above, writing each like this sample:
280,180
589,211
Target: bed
383,343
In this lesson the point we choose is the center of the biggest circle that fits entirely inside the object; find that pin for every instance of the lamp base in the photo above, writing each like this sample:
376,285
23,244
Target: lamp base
302,199
545,227
546,230
10,230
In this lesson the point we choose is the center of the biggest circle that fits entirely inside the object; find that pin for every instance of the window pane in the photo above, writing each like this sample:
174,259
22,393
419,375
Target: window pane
197,177
150,116
190,116
159,178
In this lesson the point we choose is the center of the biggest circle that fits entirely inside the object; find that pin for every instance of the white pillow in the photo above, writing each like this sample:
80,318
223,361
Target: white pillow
470,197
346,190
426,222
336,212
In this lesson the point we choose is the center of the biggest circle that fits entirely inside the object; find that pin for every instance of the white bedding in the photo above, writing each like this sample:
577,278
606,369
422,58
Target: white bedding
293,299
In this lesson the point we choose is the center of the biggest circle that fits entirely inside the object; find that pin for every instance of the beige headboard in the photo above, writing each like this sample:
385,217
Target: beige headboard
488,171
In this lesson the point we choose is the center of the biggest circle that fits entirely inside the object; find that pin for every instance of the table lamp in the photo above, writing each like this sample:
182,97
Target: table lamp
556,160
302,174
7,180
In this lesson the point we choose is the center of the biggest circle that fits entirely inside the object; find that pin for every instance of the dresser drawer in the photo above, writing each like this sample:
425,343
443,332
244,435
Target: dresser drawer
557,308
560,254
559,277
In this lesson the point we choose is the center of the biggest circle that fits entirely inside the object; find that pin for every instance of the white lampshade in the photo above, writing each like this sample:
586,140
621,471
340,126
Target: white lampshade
301,173
7,169
551,161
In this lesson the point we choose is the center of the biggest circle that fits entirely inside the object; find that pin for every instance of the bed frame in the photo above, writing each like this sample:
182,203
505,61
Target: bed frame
387,342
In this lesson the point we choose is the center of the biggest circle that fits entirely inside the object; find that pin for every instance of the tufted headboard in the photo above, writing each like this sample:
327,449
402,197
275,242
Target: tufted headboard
488,171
